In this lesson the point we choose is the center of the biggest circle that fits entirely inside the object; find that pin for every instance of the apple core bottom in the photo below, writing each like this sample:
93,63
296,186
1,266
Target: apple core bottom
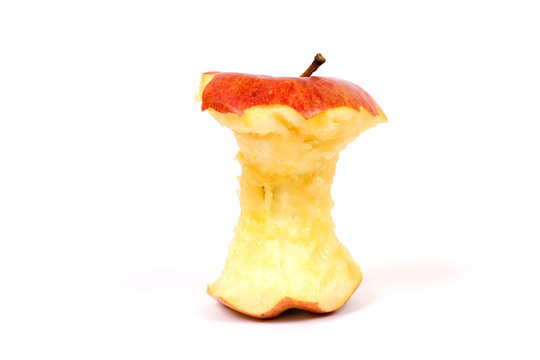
285,253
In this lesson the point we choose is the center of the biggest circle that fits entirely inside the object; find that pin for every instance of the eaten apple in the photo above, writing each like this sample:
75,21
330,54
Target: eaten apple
290,131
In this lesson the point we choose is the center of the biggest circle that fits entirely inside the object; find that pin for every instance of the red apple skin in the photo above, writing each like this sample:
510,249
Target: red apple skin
285,304
236,92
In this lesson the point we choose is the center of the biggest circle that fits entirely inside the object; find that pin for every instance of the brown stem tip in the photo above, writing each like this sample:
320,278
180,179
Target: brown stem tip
318,61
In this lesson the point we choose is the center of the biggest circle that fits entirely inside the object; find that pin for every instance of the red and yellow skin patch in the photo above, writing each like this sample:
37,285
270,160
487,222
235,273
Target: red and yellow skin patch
235,92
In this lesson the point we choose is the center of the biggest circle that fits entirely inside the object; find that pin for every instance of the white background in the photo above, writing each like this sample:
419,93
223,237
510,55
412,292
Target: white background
118,196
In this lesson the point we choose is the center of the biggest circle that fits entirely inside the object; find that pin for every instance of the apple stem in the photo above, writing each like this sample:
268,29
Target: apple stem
318,61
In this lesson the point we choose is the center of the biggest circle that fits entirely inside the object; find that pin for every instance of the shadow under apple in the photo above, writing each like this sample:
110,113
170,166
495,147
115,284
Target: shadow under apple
379,281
